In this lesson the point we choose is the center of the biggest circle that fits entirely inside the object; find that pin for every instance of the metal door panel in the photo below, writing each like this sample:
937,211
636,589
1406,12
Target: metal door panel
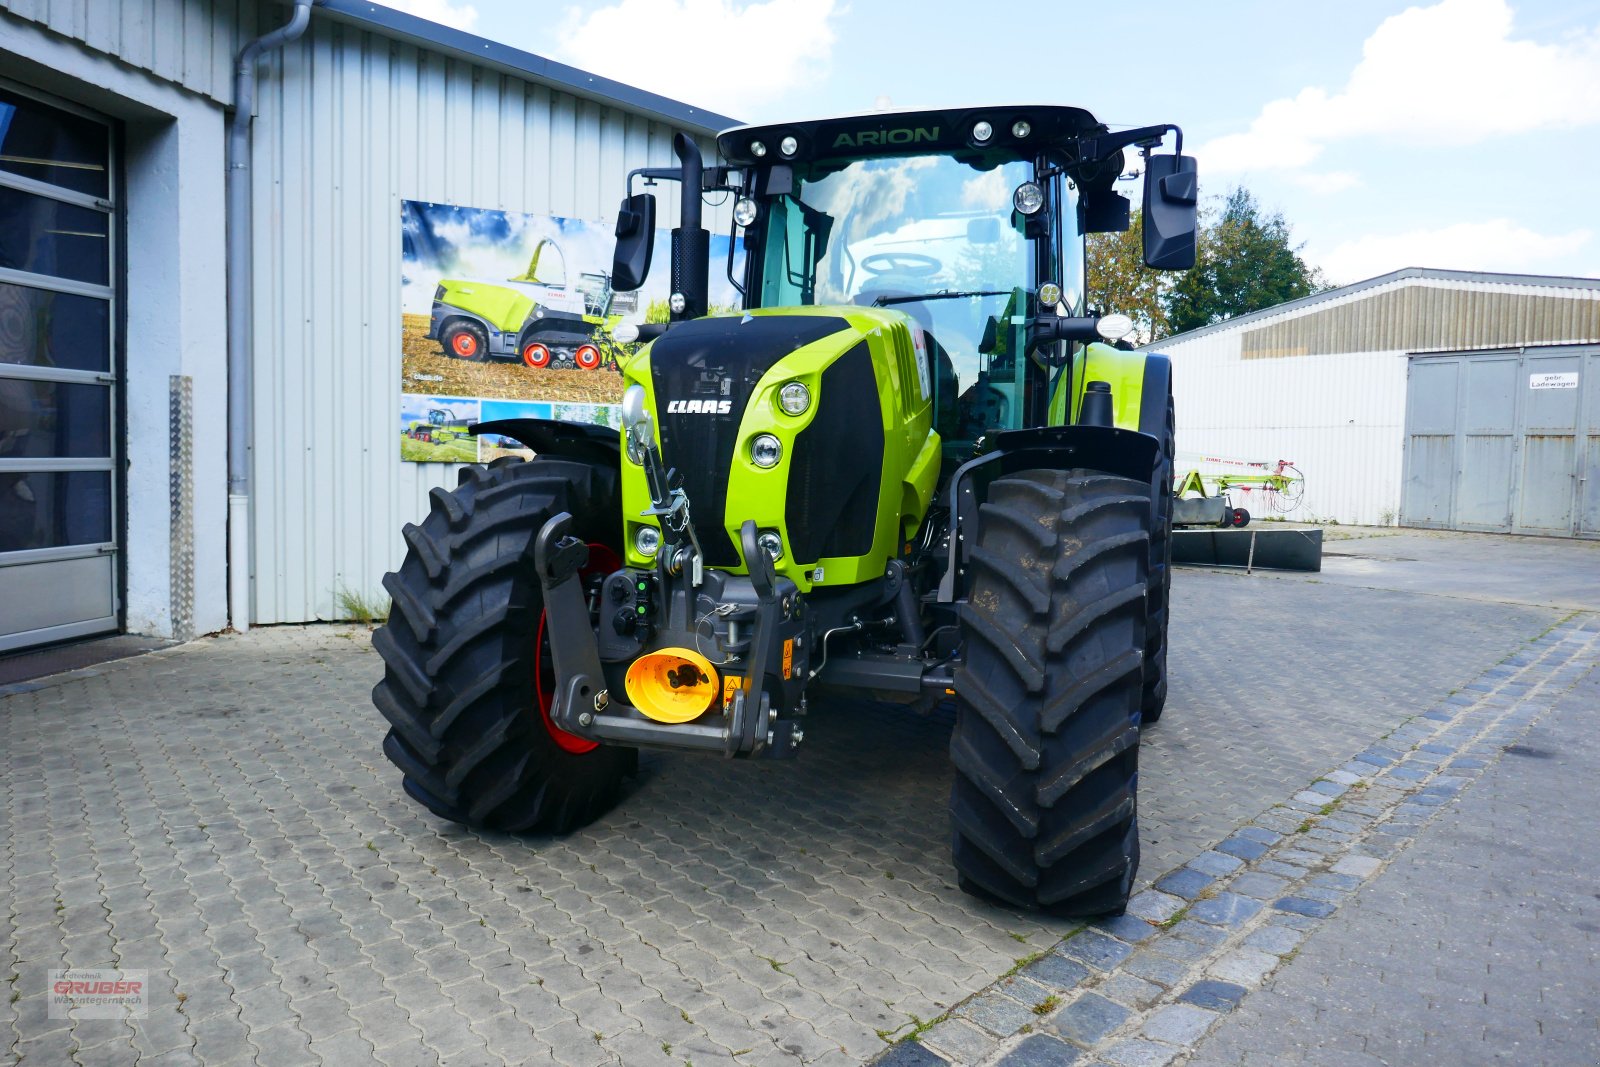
49,596
1483,495
1428,484
1545,501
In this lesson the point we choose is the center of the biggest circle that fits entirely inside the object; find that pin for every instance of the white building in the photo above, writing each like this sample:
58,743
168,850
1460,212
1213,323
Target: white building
115,503
1434,398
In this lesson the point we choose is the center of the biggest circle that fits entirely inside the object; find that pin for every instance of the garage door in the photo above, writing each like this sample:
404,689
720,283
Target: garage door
1504,441
58,315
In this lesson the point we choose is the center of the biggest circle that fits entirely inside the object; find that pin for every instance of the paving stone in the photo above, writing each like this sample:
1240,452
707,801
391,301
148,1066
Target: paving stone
1130,991
1040,1050
1243,966
1258,885
1138,1052
1178,1024
1096,949
960,1040
1088,1019
1147,964
910,1054
1056,971
1242,847
1278,940
1185,882
1216,863
1225,909
1214,995
996,1013
1357,866
1129,928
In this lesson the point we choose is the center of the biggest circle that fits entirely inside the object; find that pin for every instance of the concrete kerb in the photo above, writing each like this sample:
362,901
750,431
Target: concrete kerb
1209,932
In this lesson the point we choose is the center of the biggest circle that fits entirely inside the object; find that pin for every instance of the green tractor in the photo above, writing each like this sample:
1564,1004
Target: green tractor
909,469
441,428
542,324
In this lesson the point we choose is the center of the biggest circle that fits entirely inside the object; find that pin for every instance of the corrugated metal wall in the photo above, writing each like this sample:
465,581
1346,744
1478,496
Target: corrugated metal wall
348,125
190,42
1339,418
1317,386
1430,317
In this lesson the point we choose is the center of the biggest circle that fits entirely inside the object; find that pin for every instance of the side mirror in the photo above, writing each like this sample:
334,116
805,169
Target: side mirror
1171,212
636,235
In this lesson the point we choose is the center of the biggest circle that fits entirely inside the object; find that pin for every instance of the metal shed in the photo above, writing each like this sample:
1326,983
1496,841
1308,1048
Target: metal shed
370,107
1329,382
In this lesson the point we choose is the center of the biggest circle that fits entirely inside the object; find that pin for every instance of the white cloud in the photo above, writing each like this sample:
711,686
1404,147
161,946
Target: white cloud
1449,74
444,12
1328,182
1491,245
725,55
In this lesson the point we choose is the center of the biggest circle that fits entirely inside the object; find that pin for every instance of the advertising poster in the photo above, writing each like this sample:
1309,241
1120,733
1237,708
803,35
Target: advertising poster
507,315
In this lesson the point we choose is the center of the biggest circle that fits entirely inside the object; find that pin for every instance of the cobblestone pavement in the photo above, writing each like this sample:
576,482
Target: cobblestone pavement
1481,943
221,814
1399,981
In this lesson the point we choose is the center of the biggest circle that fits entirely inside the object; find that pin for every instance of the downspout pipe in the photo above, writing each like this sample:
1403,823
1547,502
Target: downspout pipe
237,153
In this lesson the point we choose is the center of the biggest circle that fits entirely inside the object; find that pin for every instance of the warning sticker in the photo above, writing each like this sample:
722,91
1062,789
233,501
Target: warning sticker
1568,380
730,688
788,658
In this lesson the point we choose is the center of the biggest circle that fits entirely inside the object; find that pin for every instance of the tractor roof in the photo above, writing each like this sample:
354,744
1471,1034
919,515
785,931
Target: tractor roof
905,133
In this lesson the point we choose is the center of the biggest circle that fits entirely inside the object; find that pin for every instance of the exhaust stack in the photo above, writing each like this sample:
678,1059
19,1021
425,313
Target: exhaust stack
691,243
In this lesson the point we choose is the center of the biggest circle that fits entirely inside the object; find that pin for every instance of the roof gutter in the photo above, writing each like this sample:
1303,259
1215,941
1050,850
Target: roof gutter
240,318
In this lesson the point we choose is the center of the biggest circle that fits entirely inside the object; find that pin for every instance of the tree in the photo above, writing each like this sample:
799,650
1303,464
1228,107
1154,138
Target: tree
1120,282
1245,263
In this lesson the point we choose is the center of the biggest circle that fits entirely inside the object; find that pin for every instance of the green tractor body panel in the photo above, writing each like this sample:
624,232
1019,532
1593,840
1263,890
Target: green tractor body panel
502,307
857,468
1124,371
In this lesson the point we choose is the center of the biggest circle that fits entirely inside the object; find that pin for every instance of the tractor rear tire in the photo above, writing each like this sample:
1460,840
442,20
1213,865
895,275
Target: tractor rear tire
1046,742
1154,698
459,651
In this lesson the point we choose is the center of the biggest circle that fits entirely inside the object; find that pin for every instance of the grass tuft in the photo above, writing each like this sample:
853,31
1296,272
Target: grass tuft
355,607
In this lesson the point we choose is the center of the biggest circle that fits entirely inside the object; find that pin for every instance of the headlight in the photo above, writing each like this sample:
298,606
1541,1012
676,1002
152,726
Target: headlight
1113,327
1020,129
677,303
625,333
757,149
794,398
788,146
766,450
982,132
771,544
438,294
647,539
744,211
1028,198
1049,296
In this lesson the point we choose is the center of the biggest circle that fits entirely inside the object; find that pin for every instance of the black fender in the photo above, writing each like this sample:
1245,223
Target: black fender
585,441
1126,453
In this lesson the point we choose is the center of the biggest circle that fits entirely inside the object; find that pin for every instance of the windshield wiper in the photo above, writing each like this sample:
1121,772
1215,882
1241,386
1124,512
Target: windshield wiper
943,294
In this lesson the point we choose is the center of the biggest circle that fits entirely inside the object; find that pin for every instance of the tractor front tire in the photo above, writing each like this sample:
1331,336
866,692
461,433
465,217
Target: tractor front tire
1046,742
1154,698
461,653
464,339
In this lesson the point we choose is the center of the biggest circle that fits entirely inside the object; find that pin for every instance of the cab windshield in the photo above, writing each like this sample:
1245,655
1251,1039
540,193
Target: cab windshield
932,237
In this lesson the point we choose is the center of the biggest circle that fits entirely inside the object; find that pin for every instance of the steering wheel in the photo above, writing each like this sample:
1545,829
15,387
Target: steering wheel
910,264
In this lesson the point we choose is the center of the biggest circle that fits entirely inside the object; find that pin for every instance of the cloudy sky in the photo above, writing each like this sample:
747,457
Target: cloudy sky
1461,134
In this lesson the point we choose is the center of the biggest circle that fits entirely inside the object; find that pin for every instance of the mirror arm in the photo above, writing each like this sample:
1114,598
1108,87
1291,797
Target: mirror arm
1094,149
